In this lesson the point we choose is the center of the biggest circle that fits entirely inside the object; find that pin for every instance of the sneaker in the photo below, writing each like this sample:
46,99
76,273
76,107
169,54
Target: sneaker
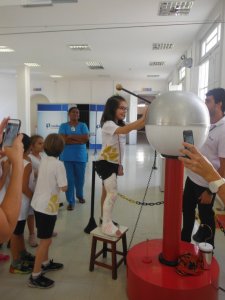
28,257
61,204
70,207
52,266
32,240
40,282
20,269
81,200
203,235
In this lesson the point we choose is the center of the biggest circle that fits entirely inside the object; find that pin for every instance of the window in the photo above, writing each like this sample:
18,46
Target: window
211,40
203,80
178,87
182,72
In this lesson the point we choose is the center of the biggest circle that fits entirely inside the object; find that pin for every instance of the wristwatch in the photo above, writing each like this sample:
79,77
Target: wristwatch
215,185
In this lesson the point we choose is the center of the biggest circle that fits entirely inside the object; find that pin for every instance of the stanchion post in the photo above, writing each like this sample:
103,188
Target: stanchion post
92,224
154,164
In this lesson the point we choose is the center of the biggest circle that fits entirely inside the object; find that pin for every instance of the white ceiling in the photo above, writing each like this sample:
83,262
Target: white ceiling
42,35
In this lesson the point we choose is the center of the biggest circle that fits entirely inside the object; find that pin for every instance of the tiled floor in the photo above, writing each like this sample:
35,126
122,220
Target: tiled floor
72,245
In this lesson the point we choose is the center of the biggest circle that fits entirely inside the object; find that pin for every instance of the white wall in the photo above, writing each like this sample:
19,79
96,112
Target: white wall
89,91
8,96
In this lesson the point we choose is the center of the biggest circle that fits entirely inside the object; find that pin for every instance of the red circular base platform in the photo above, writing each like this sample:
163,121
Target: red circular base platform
157,281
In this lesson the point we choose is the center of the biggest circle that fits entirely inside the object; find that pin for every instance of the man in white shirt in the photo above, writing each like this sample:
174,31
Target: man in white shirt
196,190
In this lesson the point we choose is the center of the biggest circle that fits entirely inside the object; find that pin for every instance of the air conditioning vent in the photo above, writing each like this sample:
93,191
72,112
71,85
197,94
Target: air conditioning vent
93,65
175,8
162,46
156,63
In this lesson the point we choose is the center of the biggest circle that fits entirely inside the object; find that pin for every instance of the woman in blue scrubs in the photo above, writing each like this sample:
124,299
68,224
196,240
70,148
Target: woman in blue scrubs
74,155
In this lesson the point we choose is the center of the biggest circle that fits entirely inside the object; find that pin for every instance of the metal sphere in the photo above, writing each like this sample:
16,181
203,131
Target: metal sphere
172,113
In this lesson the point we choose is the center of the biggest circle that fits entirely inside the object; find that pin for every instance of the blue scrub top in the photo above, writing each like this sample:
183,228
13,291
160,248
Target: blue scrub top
75,152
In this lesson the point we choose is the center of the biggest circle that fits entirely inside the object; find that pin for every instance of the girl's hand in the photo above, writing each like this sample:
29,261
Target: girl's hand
144,115
145,112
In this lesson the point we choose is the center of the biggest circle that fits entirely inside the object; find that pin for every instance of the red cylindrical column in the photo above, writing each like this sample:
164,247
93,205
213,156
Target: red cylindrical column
172,211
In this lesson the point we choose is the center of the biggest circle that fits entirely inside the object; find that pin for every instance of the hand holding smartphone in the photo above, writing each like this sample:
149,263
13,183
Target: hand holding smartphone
11,132
188,138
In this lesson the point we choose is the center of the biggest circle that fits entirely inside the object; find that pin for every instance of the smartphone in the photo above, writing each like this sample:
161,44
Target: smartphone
11,132
188,138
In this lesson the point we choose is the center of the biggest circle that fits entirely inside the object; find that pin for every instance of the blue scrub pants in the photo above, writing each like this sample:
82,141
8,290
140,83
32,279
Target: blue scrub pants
75,172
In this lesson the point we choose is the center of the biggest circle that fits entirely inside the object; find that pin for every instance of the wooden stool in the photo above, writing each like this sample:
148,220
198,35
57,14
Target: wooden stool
105,239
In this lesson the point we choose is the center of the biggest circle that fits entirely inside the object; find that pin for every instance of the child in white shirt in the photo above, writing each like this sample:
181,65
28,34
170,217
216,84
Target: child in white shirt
45,202
37,147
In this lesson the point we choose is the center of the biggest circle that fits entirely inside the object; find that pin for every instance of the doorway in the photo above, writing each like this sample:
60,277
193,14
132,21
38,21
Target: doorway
34,101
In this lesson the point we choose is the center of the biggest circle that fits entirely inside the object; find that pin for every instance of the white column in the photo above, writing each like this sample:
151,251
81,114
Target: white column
23,98
132,136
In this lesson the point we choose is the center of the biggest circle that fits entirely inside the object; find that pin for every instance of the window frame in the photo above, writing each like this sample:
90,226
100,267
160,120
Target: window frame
218,35
203,89
182,73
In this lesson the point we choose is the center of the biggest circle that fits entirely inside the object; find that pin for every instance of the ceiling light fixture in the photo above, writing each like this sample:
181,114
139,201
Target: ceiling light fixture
157,63
5,49
80,47
175,8
56,76
94,65
162,46
153,76
31,64
38,3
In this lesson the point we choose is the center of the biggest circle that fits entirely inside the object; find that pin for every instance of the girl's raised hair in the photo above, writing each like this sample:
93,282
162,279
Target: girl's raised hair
109,113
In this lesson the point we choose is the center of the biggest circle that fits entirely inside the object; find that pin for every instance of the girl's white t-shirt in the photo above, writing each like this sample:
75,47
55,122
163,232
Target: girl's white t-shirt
112,144
51,177
25,205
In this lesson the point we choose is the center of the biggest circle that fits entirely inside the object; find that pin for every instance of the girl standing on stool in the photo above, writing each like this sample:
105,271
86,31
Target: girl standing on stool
74,156
108,166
